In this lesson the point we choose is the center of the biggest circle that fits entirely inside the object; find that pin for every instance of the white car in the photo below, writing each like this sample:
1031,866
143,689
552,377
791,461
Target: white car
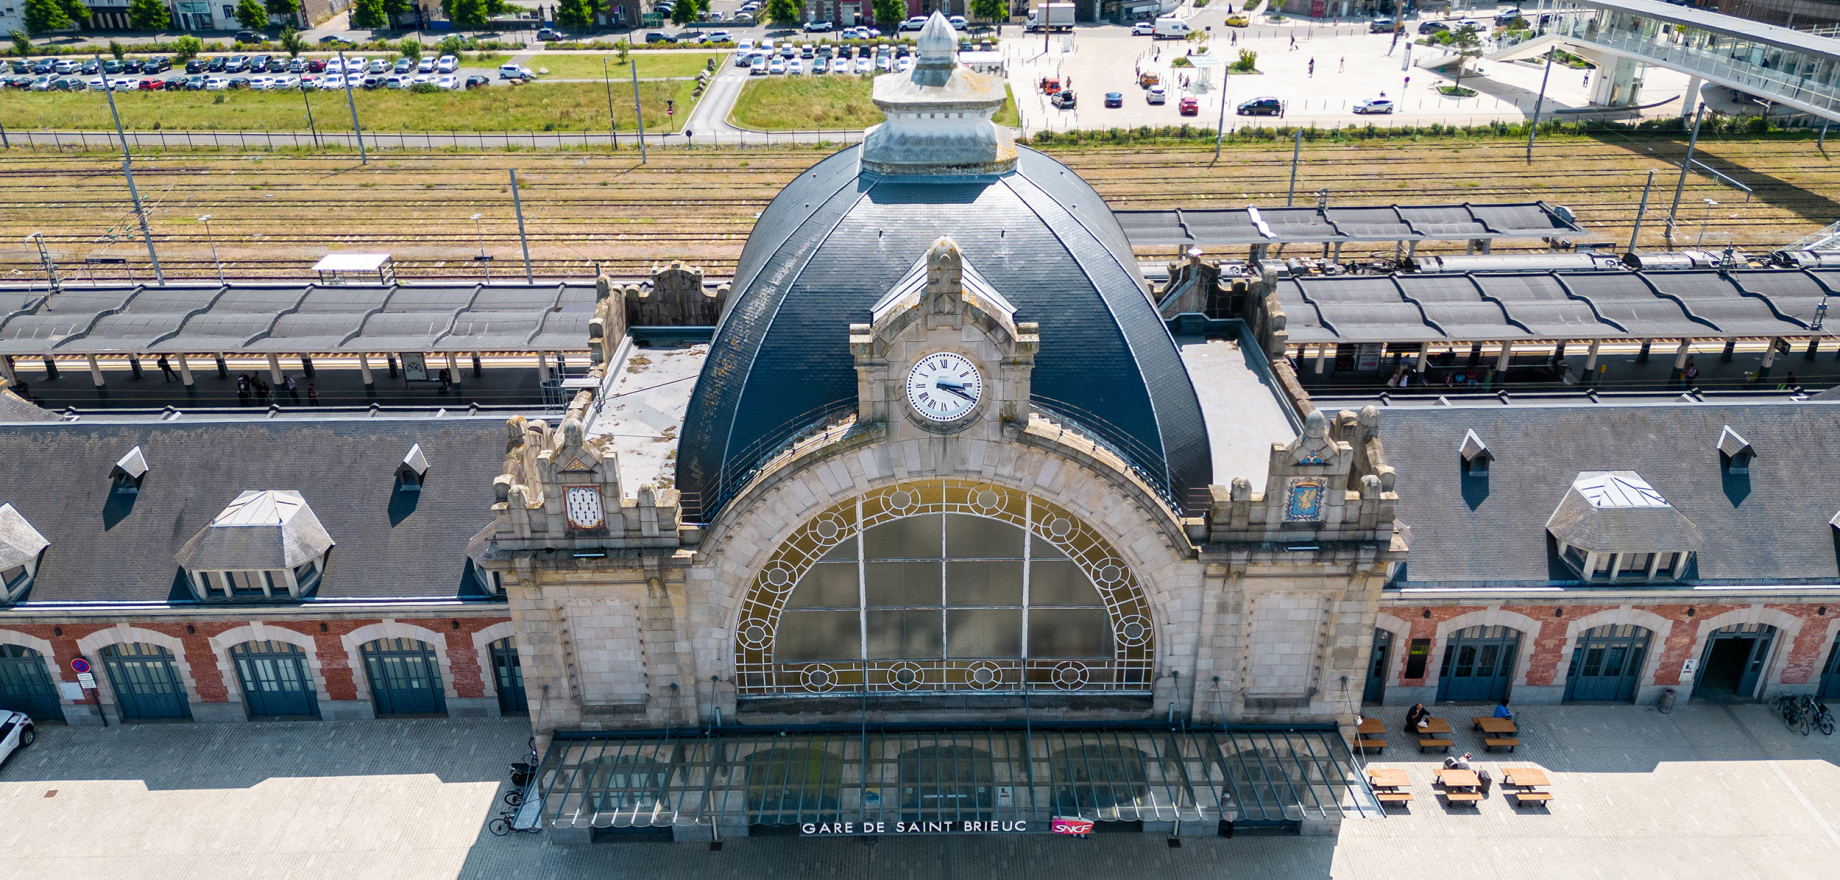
448,82
905,64
261,83
1157,95
334,65
1143,29
124,85
422,78
216,84
958,23
840,64
1375,105
378,66
426,65
795,67
287,81
356,65
777,65
744,46
864,65
447,64
16,732
331,83
397,82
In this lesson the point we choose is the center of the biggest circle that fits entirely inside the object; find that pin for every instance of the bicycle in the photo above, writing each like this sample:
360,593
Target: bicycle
522,772
1815,713
1792,713
507,823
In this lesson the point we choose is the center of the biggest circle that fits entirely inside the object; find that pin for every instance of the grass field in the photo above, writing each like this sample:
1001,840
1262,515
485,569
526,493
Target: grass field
274,213
827,102
537,107
651,65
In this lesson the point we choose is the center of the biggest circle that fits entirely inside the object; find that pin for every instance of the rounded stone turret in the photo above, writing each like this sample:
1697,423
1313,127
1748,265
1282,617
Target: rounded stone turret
939,115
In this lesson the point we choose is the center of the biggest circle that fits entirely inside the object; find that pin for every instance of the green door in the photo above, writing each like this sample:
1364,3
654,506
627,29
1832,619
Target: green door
26,686
147,683
509,677
1607,664
276,680
405,677
1830,674
1478,664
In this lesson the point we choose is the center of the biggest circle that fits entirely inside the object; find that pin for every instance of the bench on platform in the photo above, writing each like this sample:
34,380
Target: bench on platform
1503,742
1393,797
1427,742
1371,745
1463,797
1532,797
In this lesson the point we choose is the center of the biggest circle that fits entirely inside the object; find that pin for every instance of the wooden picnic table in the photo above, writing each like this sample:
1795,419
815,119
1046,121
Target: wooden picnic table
1435,725
1524,777
1372,727
1459,778
1386,777
1495,725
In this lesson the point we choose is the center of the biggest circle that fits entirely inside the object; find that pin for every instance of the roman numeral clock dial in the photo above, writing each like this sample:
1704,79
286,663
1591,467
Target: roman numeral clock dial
944,386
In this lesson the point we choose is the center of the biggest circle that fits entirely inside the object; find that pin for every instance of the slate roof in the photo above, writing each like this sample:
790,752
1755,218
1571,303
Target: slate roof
263,529
108,547
1770,526
837,238
1618,512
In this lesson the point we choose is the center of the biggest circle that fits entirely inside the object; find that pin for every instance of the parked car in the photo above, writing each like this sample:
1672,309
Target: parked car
334,38
476,81
239,82
448,82
43,83
334,65
109,66
659,37
90,68
1063,100
1238,21
777,65
258,63
1261,107
864,65
397,81
1188,107
16,732
216,83
1374,105
1143,29
913,24
958,23
1381,26
426,65
316,65
550,35
285,82
515,72
150,84
196,82
1114,99
421,79
261,83
1156,95
249,37
818,27
447,64
156,65
757,65
296,65
1426,28
1507,17
217,64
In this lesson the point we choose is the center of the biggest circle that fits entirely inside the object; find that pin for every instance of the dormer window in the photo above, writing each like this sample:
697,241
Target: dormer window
125,477
1476,455
21,549
413,471
265,546
1613,527
1735,452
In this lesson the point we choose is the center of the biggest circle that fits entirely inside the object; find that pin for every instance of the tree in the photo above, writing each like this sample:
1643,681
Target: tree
623,48
46,15
410,49
148,15
1468,46
889,13
573,14
252,14
292,43
393,11
118,50
451,46
22,42
186,48
685,11
990,10
473,15
367,14
289,9
783,11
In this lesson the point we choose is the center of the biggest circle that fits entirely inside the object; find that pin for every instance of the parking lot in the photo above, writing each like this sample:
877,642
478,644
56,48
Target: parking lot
258,72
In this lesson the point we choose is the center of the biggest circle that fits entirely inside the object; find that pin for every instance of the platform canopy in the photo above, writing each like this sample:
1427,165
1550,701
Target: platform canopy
1218,227
351,262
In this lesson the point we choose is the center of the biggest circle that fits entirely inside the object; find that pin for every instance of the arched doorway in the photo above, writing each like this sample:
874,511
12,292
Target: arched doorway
276,680
946,784
26,686
944,586
1830,674
1095,781
1478,664
405,677
1607,664
1733,662
791,786
1378,661
508,675
146,681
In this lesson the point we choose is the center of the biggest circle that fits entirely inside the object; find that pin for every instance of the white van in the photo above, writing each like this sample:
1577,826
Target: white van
1171,29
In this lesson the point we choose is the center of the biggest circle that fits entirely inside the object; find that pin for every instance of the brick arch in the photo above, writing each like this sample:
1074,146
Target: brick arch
1659,628
257,631
91,646
1788,627
1528,627
392,629
1402,637
46,651
482,650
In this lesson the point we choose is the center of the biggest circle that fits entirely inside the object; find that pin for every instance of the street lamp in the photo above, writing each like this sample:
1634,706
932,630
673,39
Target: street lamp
1704,219
206,220
483,259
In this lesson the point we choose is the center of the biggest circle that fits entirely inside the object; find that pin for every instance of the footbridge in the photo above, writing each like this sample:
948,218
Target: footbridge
1791,68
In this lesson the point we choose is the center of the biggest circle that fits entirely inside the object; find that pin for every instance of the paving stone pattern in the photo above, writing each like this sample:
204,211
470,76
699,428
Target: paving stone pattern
1708,791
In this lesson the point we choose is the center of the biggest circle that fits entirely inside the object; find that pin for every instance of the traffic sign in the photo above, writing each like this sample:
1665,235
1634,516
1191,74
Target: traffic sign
87,680
79,665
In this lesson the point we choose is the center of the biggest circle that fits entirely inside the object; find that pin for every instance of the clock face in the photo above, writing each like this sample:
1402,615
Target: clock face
944,386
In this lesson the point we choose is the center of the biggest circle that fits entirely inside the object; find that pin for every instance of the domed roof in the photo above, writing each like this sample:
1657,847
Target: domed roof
839,236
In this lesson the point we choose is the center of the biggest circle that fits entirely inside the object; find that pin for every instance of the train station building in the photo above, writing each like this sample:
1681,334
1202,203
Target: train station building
953,522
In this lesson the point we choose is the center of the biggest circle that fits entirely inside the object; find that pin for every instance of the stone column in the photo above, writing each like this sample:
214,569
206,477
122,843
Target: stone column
364,369
95,371
453,367
543,367
1501,363
1690,100
274,368
185,370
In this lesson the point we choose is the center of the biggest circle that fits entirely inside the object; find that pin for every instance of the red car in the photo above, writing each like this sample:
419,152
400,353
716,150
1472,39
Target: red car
150,84
1190,107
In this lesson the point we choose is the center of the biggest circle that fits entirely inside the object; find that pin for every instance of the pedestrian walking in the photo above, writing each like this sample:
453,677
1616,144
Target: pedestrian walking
1341,65
1587,79
312,395
1312,71
166,368
242,389
1294,44
293,392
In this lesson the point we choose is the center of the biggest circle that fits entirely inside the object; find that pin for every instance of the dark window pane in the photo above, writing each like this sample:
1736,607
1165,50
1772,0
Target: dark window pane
845,549
904,635
817,635
1060,583
984,583
903,583
984,633
916,537
827,584
1070,633
974,537
1040,548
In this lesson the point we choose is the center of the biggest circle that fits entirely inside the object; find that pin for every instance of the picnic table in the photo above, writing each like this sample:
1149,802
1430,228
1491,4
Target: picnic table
1460,786
1526,781
1387,783
1372,727
1497,733
1434,735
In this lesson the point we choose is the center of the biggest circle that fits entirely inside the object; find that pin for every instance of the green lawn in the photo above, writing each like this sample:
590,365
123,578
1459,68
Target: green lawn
655,64
819,102
536,107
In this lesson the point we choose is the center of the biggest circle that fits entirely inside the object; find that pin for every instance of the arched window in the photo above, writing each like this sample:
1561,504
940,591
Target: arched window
946,586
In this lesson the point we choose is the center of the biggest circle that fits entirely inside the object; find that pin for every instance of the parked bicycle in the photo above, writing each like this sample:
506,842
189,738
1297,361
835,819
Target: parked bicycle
507,823
522,772
1816,715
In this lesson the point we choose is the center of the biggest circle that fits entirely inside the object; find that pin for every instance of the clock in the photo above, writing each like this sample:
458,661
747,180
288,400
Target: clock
584,507
944,386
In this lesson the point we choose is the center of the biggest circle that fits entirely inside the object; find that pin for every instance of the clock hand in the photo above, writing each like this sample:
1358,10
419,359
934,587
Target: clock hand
960,391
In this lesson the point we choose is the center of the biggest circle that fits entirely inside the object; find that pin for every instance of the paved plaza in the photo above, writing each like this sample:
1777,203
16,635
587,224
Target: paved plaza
1708,791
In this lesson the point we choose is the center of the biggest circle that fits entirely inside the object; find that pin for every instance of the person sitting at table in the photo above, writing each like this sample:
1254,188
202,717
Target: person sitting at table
1413,715
1502,711
1461,763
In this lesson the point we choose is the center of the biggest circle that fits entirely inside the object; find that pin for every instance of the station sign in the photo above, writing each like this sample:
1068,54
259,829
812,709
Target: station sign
956,826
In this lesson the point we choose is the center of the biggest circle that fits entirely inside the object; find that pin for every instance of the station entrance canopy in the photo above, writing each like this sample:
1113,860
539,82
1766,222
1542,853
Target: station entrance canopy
1220,227
895,780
